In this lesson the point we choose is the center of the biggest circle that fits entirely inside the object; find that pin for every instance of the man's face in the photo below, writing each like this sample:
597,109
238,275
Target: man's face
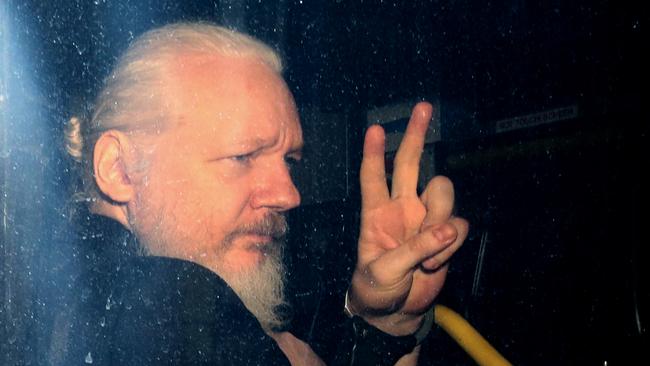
218,178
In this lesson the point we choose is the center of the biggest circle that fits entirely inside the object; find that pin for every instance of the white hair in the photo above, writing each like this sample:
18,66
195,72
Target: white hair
132,96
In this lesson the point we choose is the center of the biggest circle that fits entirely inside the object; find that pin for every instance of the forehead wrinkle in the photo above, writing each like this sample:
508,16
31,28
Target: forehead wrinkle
277,142
198,73
258,142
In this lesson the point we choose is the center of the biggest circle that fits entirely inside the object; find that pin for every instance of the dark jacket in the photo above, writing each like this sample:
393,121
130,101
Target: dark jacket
133,310
127,309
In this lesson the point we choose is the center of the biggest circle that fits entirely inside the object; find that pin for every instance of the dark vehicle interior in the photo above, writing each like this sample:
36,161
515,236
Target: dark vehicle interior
539,122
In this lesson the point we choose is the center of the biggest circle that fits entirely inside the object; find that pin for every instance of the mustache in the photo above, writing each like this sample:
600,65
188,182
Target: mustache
273,225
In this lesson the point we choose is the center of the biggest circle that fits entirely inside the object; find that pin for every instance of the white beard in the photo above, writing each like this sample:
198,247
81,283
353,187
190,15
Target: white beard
261,289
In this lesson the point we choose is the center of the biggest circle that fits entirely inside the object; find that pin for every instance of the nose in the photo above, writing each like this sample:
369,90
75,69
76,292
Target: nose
275,190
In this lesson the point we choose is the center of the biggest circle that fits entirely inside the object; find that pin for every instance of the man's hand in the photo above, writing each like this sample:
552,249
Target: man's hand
405,241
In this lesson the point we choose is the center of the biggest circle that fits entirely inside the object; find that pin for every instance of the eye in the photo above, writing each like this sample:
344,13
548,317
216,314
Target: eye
291,161
243,159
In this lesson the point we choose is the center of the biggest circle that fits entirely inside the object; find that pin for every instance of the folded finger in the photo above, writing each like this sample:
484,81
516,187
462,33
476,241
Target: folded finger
441,258
438,198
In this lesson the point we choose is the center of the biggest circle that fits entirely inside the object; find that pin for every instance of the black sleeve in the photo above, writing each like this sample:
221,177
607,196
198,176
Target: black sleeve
340,340
174,312
364,345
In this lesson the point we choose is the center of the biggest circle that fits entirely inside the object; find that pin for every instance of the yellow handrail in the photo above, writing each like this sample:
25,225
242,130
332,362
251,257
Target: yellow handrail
468,338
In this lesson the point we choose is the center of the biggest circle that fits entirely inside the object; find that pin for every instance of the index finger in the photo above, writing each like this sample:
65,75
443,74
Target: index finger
372,176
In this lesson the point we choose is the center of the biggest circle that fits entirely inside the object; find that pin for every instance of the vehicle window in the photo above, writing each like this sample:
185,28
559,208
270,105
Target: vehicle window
538,120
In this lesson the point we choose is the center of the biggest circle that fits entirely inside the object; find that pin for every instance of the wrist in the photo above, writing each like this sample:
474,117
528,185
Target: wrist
372,346
396,324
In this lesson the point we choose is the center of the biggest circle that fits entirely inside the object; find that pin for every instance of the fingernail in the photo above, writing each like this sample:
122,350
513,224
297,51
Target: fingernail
442,237
439,235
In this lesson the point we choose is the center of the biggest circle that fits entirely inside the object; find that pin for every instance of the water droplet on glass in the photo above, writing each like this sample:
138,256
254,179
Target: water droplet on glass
89,358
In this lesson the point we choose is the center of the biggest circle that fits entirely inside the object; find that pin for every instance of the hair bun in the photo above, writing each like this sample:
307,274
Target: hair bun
73,139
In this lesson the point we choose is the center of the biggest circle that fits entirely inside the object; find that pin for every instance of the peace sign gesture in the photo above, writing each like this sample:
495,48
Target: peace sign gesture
405,241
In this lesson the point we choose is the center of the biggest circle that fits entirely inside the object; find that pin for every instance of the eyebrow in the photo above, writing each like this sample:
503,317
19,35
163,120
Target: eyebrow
298,149
256,143
259,143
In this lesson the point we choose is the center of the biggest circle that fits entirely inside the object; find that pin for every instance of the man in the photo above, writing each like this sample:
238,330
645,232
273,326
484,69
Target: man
186,161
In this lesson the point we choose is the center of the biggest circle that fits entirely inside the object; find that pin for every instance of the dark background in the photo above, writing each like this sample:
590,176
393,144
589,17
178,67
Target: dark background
553,271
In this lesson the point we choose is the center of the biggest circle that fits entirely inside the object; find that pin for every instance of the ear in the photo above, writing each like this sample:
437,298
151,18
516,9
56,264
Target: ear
110,162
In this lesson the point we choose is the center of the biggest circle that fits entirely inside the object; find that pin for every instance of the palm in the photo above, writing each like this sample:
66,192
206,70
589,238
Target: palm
385,229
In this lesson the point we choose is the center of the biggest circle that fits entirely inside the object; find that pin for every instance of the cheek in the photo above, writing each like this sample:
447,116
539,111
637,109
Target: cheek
206,209
199,202
214,200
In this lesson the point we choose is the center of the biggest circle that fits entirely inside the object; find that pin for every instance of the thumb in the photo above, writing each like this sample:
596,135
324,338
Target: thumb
395,264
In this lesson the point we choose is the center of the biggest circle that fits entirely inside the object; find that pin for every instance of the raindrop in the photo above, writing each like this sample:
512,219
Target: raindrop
89,358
